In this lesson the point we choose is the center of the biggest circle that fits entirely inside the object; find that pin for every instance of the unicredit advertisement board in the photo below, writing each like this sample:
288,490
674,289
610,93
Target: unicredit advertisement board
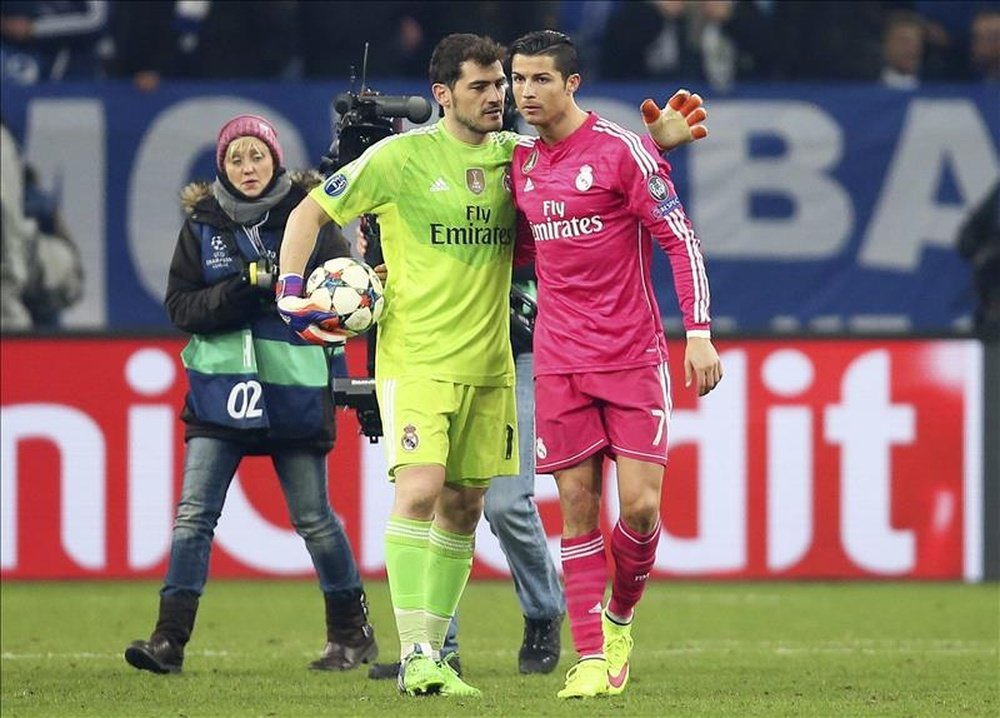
813,459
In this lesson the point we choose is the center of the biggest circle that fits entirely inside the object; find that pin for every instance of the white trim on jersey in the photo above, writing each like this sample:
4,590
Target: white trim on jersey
525,140
645,161
699,280
667,391
540,465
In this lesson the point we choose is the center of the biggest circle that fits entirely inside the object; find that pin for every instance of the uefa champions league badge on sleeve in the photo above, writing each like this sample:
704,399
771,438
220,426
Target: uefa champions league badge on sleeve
666,201
336,185
658,188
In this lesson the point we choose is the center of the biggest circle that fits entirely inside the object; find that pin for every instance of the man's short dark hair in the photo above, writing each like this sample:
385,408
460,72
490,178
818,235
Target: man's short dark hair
556,45
453,50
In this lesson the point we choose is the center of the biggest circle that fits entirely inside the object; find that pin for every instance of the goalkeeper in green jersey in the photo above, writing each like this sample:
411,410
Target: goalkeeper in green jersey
444,369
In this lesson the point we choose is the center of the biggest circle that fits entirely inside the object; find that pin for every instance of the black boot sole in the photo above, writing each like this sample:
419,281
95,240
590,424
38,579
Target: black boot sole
144,661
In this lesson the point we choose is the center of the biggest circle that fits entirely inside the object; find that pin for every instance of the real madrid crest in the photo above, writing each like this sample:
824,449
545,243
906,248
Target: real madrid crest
529,164
585,178
541,451
410,441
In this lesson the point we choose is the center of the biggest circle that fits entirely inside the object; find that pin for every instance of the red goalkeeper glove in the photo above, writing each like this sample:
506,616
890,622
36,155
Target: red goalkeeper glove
678,123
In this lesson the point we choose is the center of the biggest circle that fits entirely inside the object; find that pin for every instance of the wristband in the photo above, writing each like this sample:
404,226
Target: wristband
289,285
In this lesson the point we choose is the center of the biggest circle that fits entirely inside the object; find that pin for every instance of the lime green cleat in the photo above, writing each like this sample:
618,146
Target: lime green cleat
453,683
587,679
420,675
617,649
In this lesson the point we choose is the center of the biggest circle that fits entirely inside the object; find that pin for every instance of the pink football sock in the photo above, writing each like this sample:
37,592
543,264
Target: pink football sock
585,572
634,555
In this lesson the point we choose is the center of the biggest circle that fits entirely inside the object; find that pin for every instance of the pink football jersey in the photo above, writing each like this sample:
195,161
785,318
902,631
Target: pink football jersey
593,202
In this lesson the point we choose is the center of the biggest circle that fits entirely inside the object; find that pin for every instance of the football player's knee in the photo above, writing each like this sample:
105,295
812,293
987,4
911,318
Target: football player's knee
641,513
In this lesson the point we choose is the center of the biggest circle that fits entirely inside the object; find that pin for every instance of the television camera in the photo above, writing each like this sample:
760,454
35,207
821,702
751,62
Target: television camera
364,117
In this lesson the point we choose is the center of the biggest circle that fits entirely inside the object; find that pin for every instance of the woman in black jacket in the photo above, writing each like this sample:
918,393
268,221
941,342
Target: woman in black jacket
255,388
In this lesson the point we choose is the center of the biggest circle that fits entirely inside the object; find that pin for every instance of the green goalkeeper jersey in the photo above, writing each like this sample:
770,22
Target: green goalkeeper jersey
448,227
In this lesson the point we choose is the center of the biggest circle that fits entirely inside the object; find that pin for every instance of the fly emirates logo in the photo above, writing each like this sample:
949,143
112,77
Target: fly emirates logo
556,226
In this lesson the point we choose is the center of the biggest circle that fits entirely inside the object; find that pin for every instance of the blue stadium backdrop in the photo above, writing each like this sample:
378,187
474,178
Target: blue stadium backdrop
830,208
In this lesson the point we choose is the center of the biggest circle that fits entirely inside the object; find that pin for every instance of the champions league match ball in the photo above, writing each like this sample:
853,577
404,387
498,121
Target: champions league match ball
350,290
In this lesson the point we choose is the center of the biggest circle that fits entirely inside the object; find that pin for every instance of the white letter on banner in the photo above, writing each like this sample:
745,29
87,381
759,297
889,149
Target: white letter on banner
150,372
65,143
82,487
172,144
724,177
935,133
790,466
719,421
866,424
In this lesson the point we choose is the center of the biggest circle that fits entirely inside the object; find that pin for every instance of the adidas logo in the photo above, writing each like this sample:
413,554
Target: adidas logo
529,185
596,609
440,185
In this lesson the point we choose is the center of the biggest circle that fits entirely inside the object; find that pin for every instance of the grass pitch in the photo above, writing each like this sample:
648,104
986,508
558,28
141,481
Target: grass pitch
701,649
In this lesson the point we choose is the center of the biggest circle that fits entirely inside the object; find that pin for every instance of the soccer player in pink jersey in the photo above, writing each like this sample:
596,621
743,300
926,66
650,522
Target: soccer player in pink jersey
595,195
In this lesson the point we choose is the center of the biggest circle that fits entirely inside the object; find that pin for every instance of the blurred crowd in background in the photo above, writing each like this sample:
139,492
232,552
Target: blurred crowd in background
716,42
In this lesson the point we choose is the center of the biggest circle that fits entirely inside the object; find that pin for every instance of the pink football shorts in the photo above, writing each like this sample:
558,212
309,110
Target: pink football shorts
623,413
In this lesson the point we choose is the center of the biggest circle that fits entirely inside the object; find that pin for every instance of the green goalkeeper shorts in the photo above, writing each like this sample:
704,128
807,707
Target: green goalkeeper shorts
470,430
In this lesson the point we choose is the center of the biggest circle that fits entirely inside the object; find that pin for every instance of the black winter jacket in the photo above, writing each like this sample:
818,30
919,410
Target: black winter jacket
198,307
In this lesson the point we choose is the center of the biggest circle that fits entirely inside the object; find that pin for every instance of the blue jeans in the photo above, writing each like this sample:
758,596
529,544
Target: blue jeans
209,466
513,517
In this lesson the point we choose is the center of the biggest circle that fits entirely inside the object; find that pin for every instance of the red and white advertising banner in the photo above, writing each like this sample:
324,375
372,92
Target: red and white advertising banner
812,459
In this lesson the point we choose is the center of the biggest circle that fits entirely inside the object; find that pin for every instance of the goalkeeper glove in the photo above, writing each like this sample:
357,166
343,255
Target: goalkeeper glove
306,318
678,123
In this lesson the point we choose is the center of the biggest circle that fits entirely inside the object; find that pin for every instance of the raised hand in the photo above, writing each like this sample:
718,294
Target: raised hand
678,123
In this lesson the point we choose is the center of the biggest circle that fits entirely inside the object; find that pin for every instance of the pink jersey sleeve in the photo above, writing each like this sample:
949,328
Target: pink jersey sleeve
524,242
653,200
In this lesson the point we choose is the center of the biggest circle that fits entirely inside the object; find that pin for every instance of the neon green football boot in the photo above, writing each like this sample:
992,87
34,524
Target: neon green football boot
419,675
587,679
453,683
617,649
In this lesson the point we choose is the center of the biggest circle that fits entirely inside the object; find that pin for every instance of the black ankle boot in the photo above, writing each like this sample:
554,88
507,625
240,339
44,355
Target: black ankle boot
540,650
164,651
350,639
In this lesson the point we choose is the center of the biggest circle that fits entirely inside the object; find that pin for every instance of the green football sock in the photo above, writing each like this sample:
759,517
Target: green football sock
406,561
448,568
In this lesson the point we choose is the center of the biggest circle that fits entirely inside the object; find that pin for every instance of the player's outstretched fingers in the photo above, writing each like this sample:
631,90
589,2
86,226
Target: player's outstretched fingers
650,111
692,104
699,115
677,101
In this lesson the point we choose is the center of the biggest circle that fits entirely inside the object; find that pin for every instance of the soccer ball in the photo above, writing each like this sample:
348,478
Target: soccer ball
349,289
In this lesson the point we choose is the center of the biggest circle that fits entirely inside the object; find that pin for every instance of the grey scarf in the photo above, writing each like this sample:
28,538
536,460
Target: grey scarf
243,210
